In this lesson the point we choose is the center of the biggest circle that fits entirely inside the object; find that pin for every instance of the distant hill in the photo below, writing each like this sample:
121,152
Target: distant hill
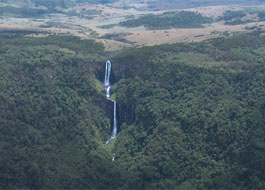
180,4
56,3
152,4
182,19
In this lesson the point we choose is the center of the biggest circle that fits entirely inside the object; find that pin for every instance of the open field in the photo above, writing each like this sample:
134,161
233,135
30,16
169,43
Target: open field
186,35
97,21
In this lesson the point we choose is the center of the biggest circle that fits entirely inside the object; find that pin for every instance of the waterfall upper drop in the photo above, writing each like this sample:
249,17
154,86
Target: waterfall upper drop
107,73
107,89
107,77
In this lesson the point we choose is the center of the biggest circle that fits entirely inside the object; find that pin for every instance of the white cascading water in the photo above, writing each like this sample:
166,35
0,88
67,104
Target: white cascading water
108,92
107,89
107,73
114,131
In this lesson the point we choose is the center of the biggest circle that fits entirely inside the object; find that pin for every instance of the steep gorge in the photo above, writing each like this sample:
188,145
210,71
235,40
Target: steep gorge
191,115
107,88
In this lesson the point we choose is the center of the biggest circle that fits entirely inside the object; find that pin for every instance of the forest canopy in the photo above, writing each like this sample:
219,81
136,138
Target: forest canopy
168,20
190,115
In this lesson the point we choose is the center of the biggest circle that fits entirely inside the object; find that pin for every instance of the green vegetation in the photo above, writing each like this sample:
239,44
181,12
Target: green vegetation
25,12
193,114
92,12
53,4
190,115
21,12
70,42
236,17
53,118
17,33
230,15
108,26
181,19
117,36
251,28
40,8
180,4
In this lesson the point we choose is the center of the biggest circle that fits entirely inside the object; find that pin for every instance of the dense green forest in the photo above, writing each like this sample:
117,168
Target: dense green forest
54,118
193,114
190,115
237,17
26,12
167,20
21,12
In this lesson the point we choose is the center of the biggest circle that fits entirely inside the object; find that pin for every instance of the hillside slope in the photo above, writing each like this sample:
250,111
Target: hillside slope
192,114
51,4
53,115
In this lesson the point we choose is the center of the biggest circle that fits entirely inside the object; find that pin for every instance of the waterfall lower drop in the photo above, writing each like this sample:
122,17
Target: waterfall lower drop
107,89
114,131
108,92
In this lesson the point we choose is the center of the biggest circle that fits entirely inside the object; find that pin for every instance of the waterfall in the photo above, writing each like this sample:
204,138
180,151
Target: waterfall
107,73
108,92
107,89
107,77
114,130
